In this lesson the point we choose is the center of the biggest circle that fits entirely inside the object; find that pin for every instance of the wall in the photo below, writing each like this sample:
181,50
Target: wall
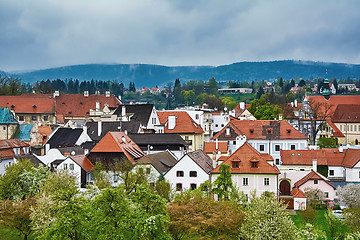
322,185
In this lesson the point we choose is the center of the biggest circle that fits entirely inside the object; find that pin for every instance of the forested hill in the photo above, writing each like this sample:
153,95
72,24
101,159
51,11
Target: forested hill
151,75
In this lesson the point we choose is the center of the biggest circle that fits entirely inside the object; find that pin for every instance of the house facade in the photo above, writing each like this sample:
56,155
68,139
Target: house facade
10,150
346,117
8,124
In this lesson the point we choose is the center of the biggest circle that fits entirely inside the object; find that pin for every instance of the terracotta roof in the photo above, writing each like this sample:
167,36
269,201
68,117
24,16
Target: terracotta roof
352,157
83,162
337,133
183,122
29,103
312,176
45,131
325,156
119,142
77,105
202,160
297,193
223,158
259,129
210,147
238,107
245,156
347,113
335,100
7,146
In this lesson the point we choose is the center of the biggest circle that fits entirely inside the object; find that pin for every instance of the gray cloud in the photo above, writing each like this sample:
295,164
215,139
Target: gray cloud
41,33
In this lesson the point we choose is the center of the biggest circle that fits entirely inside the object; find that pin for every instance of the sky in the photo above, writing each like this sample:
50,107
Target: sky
41,34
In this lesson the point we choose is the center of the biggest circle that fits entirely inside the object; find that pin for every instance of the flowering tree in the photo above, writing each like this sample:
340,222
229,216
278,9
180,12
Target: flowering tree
315,196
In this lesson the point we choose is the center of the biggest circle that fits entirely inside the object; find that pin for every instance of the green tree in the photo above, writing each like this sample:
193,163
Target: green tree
223,183
213,86
267,112
189,97
324,142
301,83
178,98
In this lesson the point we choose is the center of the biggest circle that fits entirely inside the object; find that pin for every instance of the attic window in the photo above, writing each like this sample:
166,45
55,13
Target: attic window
251,131
34,106
293,154
254,164
63,102
299,154
235,164
288,131
12,107
81,103
269,130
70,112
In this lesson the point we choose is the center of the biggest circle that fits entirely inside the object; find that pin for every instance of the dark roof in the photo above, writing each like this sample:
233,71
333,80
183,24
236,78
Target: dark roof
202,160
64,137
6,117
161,161
34,160
157,139
140,112
92,128
73,150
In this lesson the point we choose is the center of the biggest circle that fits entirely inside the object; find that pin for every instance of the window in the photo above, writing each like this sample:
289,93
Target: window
316,181
140,170
17,151
262,147
4,128
21,118
46,118
33,118
277,161
266,181
116,177
292,146
180,173
246,181
277,148
234,142
222,125
193,174
216,125
26,150
331,172
153,120
251,131
254,164
71,166
97,159
326,194
302,169
193,186
196,116
186,138
269,131
147,170
179,187
65,166
235,164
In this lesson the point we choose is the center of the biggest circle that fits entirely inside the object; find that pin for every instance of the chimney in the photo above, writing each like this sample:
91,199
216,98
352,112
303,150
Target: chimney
97,92
47,148
107,93
292,104
295,103
56,93
123,111
216,144
86,151
97,105
99,128
227,131
314,168
341,149
280,117
242,105
171,122
86,93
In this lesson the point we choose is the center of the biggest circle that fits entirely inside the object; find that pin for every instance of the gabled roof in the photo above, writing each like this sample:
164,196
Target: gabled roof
245,156
337,133
210,147
325,156
45,131
183,122
6,116
162,161
312,176
29,103
202,160
259,129
335,100
140,112
154,139
64,137
78,105
119,142
7,146
92,128
347,113
351,158
298,193
83,162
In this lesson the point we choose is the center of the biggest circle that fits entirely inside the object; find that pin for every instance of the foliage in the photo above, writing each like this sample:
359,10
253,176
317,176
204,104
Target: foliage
352,218
335,224
223,183
315,196
267,112
308,232
16,215
267,218
350,195
323,170
11,86
309,215
11,185
163,188
324,142
193,214
101,179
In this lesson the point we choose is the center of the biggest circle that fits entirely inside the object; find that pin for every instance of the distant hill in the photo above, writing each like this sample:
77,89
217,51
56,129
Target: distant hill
151,75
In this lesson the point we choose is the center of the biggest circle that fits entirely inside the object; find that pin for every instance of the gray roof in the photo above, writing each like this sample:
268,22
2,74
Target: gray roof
203,160
65,137
92,128
161,161
158,139
140,112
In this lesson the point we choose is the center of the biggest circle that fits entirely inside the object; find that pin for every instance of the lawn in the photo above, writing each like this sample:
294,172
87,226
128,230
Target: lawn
320,222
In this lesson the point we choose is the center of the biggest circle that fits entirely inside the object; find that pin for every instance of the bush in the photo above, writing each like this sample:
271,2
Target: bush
309,215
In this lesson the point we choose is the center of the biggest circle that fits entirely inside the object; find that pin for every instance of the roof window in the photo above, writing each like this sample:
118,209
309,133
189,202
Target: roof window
252,131
269,131
34,106
288,131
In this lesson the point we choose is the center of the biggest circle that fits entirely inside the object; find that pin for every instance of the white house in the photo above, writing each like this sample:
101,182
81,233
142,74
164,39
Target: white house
190,171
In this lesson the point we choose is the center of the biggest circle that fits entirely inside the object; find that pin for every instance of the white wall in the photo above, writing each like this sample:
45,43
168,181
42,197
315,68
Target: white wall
4,164
300,203
75,172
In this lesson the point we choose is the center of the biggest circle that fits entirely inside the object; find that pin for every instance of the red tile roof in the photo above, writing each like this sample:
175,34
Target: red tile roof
45,131
78,105
337,133
119,142
260,129
325,156
312,176
347,113
83,162
297,193
210,147
245,156
352,157
184,123
335,100
29,103
238,107
7,146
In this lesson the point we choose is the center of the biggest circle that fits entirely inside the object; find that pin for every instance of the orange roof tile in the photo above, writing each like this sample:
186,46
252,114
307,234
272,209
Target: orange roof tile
45,131
351,158
335,100
245,156
347,113
325,156
83,162
337,132
312,176
119,142
183,122
29,103
7,146
260,129
210,147
297,193
223,158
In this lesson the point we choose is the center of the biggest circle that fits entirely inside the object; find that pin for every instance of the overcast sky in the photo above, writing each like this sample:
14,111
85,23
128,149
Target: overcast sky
39,34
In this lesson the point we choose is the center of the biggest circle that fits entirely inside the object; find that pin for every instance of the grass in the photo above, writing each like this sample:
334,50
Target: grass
320,223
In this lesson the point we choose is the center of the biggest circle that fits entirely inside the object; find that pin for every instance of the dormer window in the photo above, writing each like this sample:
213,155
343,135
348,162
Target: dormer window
269,131
235,164
12,107
26,150
254,164
17,151
251,131
288,131
34,107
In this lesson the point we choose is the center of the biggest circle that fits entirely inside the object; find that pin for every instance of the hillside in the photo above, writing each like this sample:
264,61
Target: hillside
151,75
